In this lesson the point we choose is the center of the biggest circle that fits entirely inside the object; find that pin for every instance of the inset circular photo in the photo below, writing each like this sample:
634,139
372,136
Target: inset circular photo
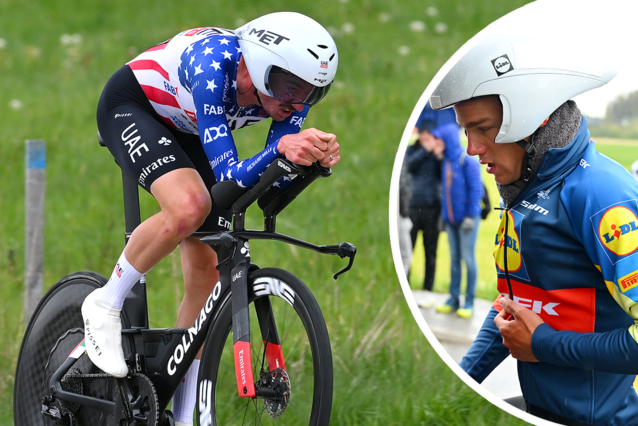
514,202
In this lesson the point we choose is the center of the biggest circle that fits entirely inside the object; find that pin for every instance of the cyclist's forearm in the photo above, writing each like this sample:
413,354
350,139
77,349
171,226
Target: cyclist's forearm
613,351
486,352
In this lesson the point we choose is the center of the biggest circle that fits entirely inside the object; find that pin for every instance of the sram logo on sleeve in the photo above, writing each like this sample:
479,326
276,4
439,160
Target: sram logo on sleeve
616,228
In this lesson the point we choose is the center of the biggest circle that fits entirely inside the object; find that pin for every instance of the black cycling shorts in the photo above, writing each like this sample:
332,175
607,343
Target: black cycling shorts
145,147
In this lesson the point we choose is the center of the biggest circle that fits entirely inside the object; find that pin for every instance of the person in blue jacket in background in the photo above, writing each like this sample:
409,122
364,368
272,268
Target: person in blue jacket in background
462,192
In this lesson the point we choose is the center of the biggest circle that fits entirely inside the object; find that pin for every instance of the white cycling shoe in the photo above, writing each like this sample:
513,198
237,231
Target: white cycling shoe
103,335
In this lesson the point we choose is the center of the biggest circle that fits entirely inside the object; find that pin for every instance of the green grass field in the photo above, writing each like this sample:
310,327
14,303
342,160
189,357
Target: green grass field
55,57
624,151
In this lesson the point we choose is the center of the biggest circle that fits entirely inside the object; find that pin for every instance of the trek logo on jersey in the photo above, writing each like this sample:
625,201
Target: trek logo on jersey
628,282
616,230
563,309
267,37
502,65
213,133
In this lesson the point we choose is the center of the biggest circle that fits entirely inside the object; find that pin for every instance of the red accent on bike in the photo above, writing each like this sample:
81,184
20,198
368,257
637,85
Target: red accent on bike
565,309
244,369
275,356
149,64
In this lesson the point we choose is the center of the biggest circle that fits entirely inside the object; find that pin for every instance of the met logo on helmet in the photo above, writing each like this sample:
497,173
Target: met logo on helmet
267,37
502,65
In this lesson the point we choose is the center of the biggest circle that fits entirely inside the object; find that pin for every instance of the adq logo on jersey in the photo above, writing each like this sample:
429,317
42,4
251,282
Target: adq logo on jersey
617,230
510,244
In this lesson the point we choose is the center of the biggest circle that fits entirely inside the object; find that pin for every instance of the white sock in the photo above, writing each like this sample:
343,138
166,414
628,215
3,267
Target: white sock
186,396
122,280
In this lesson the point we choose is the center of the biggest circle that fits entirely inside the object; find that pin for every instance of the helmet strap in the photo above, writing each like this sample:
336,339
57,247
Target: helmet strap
530,149
258,98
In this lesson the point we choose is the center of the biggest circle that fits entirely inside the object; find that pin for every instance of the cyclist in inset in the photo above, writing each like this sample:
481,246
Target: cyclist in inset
167,118
566,250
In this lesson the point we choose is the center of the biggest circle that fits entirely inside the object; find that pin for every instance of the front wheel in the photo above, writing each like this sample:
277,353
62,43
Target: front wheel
301,388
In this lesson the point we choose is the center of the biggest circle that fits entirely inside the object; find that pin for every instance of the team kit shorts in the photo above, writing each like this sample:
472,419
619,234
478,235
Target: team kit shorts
145,147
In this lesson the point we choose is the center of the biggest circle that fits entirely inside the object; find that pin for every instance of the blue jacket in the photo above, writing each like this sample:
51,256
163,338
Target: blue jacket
572,257
460,178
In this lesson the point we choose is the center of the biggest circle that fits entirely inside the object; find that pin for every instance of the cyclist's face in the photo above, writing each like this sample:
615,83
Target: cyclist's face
481,118
279,111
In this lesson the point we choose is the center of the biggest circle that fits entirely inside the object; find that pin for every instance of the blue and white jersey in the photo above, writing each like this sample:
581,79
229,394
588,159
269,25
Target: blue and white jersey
191,82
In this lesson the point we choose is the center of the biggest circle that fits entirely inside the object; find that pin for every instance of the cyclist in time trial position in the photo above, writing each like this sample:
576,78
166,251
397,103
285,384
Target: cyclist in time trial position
167,118
566,249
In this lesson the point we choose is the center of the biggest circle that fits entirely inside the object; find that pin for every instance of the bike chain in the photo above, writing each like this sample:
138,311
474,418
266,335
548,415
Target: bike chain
120,406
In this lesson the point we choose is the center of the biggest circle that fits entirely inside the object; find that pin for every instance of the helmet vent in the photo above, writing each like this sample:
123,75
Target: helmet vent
313,54
332,57
322,46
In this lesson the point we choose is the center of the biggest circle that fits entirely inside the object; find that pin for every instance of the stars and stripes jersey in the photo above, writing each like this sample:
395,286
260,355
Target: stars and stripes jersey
568,247
191,82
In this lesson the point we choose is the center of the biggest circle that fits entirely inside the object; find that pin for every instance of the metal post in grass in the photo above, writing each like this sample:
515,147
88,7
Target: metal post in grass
34,225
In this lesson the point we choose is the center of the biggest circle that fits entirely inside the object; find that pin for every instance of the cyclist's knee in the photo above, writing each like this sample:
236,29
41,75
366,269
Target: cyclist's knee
187,213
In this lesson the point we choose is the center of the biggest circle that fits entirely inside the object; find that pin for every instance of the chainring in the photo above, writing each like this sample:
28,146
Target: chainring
136,401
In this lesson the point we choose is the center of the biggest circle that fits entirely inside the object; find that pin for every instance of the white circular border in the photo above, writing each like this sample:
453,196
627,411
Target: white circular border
540,7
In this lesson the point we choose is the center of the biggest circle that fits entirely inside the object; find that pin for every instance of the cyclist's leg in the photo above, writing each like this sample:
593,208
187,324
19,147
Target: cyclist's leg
200,276
147,150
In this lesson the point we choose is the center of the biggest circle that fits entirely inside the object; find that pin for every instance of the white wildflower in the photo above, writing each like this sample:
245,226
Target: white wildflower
404,50
15,104
417,26
384,17
347,28
440,28
432,11
71,39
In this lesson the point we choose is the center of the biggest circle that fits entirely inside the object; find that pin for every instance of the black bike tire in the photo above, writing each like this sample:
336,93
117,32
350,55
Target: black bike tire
58,310
308,310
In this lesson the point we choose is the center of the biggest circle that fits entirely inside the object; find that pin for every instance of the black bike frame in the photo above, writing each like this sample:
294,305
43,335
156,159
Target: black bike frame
165,355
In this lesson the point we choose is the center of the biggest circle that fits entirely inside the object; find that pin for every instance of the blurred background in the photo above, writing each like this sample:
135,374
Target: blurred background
55,57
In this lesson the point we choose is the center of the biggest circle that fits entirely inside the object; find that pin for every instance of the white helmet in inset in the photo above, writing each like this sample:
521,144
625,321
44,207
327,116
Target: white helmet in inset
289,57
531,76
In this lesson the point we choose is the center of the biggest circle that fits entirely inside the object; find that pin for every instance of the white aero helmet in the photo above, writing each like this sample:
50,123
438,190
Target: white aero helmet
289,57
532,76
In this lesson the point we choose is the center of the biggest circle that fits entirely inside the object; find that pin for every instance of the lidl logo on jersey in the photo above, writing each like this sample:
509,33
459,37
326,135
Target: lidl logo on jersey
616,229
507,245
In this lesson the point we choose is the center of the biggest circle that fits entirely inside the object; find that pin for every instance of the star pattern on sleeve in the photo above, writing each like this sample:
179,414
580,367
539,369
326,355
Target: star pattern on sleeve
208,51
224,41
211,85
227,55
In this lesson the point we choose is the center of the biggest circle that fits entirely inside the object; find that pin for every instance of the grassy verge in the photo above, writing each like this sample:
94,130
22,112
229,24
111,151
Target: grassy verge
386,372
